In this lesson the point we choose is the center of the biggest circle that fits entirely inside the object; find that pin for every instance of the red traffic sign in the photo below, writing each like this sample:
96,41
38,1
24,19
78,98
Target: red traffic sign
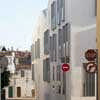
65,67
90,55
91,67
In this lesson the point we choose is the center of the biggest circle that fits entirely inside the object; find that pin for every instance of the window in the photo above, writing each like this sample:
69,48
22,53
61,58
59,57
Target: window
60,11
46,42
54,47
33,78
53,73
53,15
38,48
46,70
66,40
64,83
66,32
51,48
22,73
35,49
95,7
60,37
33,52
89,84
58,73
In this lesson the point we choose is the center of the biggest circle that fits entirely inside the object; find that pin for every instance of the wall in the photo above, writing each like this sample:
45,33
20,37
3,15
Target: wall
82,41
18,81
83,37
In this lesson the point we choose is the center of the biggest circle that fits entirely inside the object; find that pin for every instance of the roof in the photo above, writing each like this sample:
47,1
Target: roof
19,67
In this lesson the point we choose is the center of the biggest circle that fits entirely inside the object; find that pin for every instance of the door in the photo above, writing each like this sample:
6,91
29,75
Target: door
10,92
18,91
33,93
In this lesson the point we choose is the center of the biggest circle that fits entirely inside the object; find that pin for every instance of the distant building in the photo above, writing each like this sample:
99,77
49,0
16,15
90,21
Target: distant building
9,55
21,84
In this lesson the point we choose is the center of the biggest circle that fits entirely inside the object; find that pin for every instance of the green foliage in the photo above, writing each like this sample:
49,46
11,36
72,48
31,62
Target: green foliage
5,78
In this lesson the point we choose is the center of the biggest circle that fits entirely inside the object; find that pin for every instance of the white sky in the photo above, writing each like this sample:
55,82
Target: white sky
17,21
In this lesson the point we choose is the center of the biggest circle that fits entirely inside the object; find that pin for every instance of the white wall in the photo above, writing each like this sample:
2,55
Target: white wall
83,12
18,81
81,41
83,37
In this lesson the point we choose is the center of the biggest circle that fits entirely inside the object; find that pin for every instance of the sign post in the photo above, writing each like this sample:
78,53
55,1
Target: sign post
92,66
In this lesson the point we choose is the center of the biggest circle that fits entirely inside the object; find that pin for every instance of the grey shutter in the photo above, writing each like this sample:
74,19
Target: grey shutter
53,15
89,85
46,42
63,9
58,12
54,47
95,7
33,78
51,48
35,49
33,52
38,48
58,73
46,70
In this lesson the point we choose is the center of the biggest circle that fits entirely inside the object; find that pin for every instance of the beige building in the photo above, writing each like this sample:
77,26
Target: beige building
21,84
98,44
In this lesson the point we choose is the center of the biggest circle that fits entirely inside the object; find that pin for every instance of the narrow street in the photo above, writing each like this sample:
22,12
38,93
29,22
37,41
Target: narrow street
50,49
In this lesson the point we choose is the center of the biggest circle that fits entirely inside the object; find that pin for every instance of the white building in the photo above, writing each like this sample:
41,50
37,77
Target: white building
71,27
21,85
74,24
40,57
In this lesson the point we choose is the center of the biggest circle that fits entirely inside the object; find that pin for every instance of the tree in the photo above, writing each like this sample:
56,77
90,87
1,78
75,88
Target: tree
5,75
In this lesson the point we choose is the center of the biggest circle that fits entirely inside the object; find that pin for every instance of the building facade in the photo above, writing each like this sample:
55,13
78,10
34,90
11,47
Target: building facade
70,32
21,84
40,57
71,26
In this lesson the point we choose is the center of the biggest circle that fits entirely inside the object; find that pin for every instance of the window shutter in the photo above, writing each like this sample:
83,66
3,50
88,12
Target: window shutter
33,78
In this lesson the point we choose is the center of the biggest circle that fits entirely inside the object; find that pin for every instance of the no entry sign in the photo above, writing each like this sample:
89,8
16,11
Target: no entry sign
65,67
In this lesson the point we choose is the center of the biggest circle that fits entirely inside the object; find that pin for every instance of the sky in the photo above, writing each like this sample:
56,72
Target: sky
17,22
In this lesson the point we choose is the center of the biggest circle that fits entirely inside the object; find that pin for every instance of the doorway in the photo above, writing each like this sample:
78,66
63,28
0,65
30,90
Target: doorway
18,91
